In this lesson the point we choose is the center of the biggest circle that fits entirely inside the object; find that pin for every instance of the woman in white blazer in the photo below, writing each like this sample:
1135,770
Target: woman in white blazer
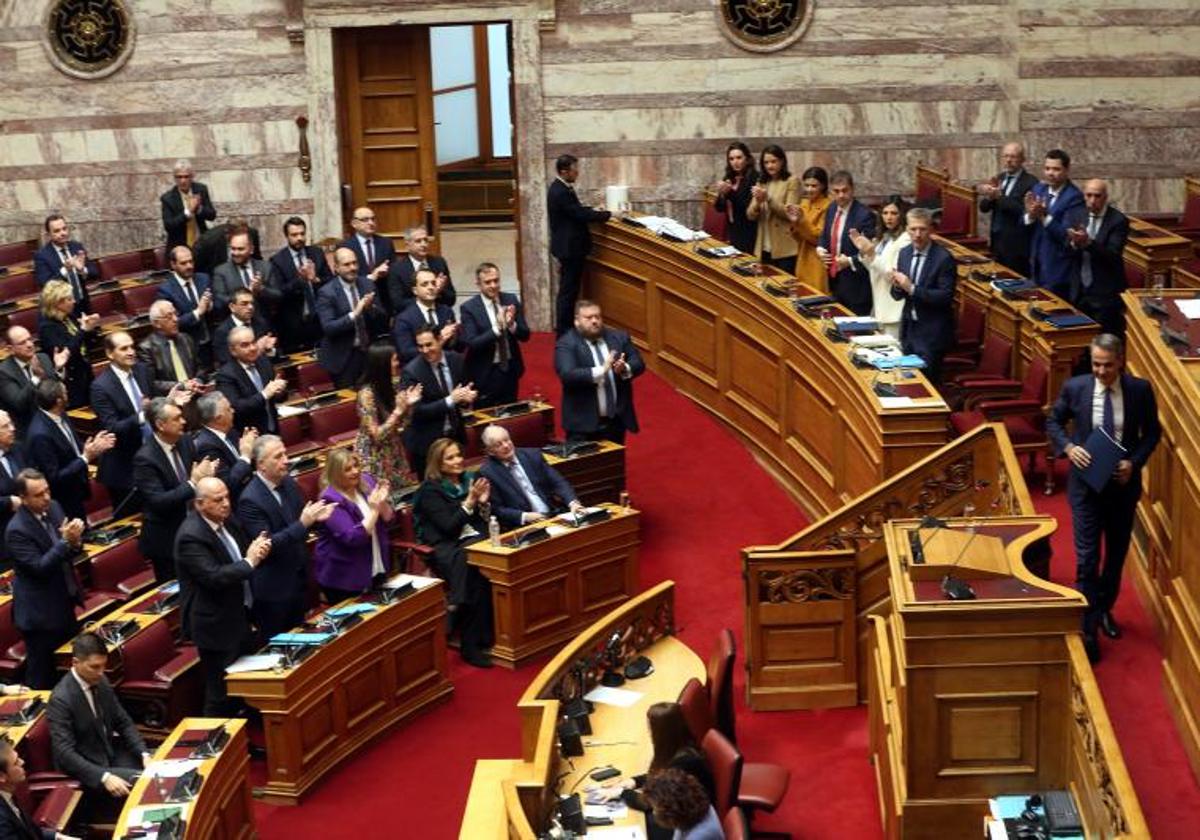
880,257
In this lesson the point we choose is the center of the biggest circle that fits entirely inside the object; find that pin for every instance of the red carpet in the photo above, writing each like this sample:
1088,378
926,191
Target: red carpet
703,498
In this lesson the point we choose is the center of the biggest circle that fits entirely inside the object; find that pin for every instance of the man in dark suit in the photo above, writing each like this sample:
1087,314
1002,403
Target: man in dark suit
186,208
62,258
1004,198
1097,233
272,503
242,313
212,248
120,395
42,543
242,271
1047,206
597,366
216,561
493,329
15,822
345,309
424,311
168,353
403,272
524,487
444,395
298,270
215,440
849,278
12,461
570,239
1124,407
93,738
165,471
22,371
250,383
191,294
59,454
924,279
373,253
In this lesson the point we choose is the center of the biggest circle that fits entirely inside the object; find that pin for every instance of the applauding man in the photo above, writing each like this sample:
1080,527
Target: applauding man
596,366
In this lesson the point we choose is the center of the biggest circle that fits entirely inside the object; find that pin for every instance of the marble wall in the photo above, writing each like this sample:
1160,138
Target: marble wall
647,92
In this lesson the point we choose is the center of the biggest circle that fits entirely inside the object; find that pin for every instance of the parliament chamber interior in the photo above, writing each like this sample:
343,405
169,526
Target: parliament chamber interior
555,418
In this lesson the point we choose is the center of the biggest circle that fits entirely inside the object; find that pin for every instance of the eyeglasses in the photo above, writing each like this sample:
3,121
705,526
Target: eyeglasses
364,218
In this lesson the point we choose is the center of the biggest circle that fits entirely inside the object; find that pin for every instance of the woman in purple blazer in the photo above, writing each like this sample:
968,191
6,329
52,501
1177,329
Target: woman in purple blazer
352,544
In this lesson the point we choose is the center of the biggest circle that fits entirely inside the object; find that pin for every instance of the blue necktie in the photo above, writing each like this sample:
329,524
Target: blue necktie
1109,423
236,556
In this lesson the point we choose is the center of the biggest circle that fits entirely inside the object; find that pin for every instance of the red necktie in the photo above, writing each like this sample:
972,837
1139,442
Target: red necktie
835,241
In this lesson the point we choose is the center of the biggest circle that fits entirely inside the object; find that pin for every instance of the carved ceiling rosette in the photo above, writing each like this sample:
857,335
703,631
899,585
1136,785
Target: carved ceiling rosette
764,25
88,39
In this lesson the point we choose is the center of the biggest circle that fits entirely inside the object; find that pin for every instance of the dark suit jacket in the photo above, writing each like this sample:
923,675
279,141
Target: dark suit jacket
385,251
1141,431
220,337
52,335
573,362
231,469
172,290
227,279
249,406
45,590
51,454
13,828
409,321
401,275
429,415
211,584
82,741
1105,250
480,340
175,223
156,355
1008,235
283,575
1051,258
166,499
17,394
295,293
851,286
569,220
337,328
47,266
8,487
212,248
932,333
509,500
119,415
743,231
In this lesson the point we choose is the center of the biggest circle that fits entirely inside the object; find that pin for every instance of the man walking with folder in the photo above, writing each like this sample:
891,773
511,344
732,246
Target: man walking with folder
1114,429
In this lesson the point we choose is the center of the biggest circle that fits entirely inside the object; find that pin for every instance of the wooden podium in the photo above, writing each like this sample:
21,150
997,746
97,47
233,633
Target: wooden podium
546,592
977,698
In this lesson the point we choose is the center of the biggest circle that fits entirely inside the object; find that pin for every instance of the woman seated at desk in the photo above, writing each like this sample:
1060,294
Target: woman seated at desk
383,413
807,221
352,549
880,258
58,328
451,511
674,748
775,191
680,803
733,196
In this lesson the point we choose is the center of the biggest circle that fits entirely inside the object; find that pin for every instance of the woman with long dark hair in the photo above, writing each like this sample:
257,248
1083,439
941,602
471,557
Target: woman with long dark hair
880,258
733,196
383,413
775,191
807,221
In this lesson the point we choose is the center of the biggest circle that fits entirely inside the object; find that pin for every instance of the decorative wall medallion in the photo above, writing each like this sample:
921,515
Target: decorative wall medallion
89,39
765,25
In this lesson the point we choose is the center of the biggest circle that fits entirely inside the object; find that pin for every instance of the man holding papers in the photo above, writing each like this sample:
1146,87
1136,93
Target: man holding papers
1114,429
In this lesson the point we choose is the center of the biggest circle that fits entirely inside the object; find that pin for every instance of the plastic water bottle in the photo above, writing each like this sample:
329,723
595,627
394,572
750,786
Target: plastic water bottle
494,531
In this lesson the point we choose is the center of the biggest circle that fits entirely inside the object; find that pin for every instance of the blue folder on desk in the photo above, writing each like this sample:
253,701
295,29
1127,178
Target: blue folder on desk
301,638
1064,321
1105,453
891,363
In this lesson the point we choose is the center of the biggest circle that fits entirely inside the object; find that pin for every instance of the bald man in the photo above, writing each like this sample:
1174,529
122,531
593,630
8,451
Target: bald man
1097,233
375,254
348,314
1004,197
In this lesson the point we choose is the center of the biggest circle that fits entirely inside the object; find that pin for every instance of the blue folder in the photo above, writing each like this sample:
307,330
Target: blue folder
1064,321
1105,453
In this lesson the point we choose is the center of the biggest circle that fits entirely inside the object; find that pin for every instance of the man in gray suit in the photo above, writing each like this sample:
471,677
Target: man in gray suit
242,271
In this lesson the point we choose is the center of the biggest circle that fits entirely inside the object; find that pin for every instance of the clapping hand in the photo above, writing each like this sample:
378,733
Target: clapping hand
480,492
759,192
464,394
619,365
379,496
204,469
380,270
259,548
247,440
317,511
901,281
89,321
61,356
411,395
864,245
792,212
72,531
98,444
725,187
1034,206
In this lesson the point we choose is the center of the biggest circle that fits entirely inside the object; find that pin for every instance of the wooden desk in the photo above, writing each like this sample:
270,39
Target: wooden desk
545,593
375,674
513,798
771,375
1163,558
1152,250
17,732
222,810
986,697
596,477
143,611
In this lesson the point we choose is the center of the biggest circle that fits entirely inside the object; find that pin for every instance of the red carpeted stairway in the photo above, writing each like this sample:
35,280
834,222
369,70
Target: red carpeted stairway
703,499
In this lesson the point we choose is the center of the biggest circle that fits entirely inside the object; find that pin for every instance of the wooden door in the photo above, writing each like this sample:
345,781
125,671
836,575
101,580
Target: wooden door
385,116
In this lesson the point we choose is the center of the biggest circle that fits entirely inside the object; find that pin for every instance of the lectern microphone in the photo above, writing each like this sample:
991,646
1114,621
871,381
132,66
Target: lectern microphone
954,588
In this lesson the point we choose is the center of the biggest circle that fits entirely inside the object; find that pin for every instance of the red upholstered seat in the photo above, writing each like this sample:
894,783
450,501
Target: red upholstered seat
138,299
106,303
26,318
725,762
291,429
694,702
55,804
716,223
160,683
11,657
17,285
126,262
763,785
533,429
333,423
12,253
121,571
310,484
39,756
735,826
310,376
720,684
159,255
99,506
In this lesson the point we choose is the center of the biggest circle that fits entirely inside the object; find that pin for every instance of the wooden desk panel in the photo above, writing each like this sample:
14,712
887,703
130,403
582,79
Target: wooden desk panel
1152,250
377,673
596,477
222,810
544,594
771,375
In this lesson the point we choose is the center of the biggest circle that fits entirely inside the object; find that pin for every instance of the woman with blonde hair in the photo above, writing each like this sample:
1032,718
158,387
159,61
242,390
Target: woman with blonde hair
58,328
352,550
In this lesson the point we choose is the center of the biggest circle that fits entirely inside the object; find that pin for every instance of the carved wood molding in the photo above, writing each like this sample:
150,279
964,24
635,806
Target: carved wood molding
304,160
1096,760
836,584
